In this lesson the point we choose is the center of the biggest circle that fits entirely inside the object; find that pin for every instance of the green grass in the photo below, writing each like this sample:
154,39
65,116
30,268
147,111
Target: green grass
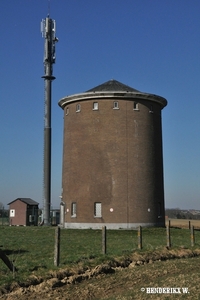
32,248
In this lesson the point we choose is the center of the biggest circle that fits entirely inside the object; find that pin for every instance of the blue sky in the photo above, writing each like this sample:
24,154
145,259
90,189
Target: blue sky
150,45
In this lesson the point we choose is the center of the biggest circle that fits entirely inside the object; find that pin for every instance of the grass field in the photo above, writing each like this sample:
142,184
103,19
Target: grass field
32,248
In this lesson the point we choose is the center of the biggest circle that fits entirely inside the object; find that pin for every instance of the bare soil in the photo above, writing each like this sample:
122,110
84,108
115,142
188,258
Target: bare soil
125,278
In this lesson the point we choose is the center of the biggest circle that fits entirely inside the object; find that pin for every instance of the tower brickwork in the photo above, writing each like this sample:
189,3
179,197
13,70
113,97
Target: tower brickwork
112,158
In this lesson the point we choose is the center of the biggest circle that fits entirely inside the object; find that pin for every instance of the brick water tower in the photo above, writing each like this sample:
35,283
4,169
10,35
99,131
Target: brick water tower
112,158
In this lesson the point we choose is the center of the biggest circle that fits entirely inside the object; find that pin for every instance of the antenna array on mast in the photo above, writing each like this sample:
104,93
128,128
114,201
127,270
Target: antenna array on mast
48,30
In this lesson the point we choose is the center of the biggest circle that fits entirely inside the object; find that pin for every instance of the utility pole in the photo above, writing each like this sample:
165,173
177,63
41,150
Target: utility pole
48,29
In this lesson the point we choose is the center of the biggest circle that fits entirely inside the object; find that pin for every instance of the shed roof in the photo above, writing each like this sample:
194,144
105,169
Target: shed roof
112,85
28,201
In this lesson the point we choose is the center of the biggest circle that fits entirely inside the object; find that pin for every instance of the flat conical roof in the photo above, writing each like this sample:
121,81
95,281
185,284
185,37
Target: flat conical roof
110,90
112,86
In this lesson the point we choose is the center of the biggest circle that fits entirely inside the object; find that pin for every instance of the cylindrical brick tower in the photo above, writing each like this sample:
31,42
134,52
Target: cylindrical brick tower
112,158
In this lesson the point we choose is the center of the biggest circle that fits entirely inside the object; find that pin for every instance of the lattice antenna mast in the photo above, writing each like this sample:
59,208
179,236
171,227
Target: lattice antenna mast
48,29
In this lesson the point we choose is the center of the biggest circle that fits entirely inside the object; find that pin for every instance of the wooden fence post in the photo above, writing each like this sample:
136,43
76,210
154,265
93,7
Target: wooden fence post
6,260
192,236
139,237
168,235
57,247
104,239
169,223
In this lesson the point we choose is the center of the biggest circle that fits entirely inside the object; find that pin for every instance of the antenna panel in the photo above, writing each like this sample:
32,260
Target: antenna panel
47,26
42,27
54,26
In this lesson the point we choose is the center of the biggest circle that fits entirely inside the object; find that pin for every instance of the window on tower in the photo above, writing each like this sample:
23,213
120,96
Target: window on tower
115,105
78,107
95,105
151,109
135,106
97,210
73,210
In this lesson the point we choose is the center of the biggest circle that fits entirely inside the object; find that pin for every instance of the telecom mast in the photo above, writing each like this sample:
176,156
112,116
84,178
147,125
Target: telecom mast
48,29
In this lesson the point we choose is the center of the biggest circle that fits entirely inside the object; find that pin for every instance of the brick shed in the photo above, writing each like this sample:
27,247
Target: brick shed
112,158
23,211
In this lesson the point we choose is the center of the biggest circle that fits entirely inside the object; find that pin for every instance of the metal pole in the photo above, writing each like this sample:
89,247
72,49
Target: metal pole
47,152
48,30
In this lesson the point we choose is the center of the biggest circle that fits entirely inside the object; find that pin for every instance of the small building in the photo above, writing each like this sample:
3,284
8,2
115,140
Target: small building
23,211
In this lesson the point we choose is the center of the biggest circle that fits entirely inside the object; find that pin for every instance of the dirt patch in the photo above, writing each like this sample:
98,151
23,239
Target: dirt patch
102,281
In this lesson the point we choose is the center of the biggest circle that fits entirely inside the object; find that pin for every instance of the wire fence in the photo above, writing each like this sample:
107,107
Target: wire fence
38,248
4,221
121,242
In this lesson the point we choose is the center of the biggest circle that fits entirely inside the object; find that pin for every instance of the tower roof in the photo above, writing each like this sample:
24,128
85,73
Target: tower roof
112,86
110,90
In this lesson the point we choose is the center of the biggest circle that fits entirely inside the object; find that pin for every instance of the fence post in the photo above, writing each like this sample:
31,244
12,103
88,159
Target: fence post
6,260
104,239
57,247
139,237
189,225
168,235
169,223
192,235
